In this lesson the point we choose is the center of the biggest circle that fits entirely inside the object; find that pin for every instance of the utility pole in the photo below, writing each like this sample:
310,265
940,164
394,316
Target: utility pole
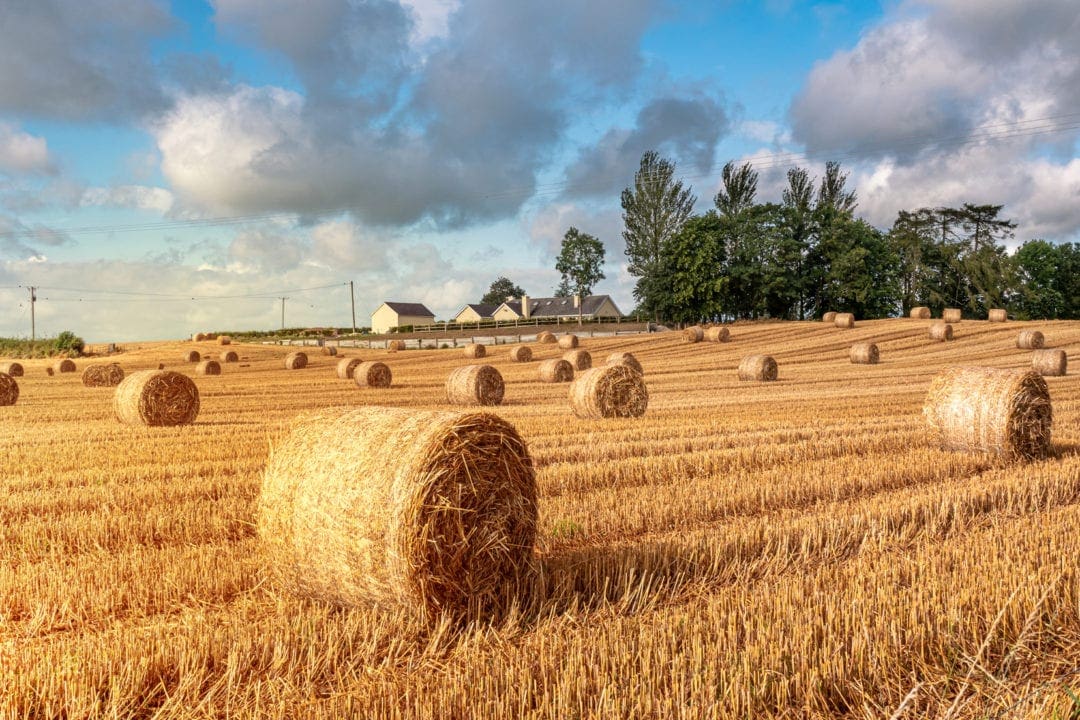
352,299
33,324
283,312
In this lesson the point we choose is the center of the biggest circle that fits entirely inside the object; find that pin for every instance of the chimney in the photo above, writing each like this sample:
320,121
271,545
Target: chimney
525,306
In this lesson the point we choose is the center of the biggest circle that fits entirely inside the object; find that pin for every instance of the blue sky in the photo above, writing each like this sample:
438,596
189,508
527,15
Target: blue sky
186,152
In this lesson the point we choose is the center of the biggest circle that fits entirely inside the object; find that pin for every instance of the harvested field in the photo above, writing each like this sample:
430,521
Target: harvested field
802,548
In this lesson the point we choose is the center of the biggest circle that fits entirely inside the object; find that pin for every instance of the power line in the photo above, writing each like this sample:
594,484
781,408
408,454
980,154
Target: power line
135,294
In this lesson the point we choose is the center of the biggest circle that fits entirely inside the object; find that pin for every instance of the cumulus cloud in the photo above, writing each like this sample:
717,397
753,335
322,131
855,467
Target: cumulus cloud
22,153
139,197
20,241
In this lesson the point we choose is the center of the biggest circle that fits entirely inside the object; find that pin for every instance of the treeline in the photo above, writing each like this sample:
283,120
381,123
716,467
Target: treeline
809,254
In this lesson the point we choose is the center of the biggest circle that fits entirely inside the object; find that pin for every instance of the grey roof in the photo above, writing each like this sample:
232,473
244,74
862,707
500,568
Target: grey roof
482,309
561,306
414,309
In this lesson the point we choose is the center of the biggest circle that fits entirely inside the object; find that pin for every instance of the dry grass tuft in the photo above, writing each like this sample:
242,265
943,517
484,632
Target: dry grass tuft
372,374
475,385
920,312
208,367
475,350
9,389
865,353
156,397
1002,412
951,315
230,356
545,336
609,391
432,512
578,359
829,317
568,341
718,334
762,368
13,369
520,353
1050,362
997,315
556,370
694,334
102,375
1030,340
192,356
844,321
625,358
941,331
296,361
346,366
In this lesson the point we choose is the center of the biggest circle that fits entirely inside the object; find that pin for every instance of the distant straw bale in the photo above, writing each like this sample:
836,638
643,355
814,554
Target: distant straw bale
229,356
941,331
545,337
520,353
568,341
224,340
372,374
844,321
997,315
865,353
208,367
1050,362
330,350
475,350
156,397
556,370
395,345
346,366
920,312
951,315
829,317
1030,340
718,334
192,356
1002,412
762,368
161,366
609,391
49,371
9,389
433,513
198,337
579,359
627,359
694,334
13,369
66,365
102,375
475,385
296,361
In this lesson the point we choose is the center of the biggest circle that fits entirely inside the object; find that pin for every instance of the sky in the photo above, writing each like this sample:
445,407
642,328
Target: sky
172,167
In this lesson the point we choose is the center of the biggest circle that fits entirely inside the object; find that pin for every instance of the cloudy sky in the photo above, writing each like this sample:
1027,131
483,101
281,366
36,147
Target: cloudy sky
168,167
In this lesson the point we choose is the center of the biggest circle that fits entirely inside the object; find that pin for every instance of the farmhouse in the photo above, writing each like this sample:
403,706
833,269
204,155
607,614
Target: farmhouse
592,306
474,312
395,314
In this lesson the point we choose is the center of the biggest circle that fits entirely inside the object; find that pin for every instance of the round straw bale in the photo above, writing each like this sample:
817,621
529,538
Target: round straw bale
346,366
229,356
475,350
568,341
627,359
520,353
475,385
1050,362
845,321
156,397
330,350
694,334
66,365
224,340
395,345
609,391
556,370
430,512
192,356
545,336
102,375
296,361
9,389
718,334
1030,340
161,366
372,374
951,315
920,312
829,317
864,353
579,359
49,371
1003,412
208,367
941,331
13,369
758,367
198,337
997,315
210,336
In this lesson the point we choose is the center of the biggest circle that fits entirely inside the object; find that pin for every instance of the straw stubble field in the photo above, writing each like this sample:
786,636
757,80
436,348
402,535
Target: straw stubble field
798,548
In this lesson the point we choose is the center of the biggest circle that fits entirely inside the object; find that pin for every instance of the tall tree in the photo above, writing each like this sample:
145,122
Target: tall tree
654,210
798,203
579,262
832,192
739,189
500,291
691,263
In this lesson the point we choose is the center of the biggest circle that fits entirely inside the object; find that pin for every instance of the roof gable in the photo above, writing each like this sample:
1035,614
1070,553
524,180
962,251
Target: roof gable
412,309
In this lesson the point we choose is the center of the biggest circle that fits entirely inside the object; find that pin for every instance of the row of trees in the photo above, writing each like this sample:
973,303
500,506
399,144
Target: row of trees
809,253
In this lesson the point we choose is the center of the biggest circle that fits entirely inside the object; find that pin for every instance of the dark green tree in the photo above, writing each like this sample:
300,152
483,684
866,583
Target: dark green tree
739,189
1037,292
691,266
833,193
580,262
500,290
798,202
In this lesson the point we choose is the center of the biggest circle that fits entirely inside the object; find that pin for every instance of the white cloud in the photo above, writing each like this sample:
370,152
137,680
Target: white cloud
138,197
23,153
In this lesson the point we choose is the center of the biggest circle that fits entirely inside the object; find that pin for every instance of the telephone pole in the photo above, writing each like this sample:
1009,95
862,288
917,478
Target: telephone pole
352,299
33,324
283,312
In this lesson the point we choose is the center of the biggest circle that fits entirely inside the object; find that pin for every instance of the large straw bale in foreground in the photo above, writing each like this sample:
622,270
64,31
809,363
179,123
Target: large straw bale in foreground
1030,340
372,374
844,321
1050,362
941,332
997,315
475,350
758,367
13,369
432,512
609,391
208,367
920,312
580,359
951,315
9,389
865,353
66,365
475,385
346,366
625,358
296,361
520,353
156,397
694,334
568,341
718,334
556,370
1002,412
102,375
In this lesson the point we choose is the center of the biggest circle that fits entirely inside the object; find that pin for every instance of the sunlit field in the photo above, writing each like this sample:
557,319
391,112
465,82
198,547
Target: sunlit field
797,549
